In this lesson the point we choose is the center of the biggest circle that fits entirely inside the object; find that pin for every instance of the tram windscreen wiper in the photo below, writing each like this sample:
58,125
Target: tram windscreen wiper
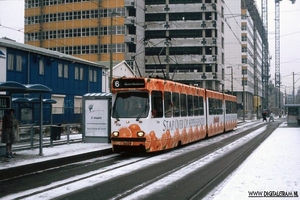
140,115
116,114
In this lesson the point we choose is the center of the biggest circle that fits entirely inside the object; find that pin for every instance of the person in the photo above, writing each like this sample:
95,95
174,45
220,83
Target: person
169,110
153,113
271,117
264,115
9,131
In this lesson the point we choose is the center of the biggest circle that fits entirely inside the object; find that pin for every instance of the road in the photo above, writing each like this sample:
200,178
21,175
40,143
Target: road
189,172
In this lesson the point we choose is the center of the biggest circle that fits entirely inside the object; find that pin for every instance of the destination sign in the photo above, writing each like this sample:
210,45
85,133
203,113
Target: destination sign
5,102
129,83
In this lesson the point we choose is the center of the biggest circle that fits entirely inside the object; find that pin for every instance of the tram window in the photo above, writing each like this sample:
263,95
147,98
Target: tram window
156,100
183,105
190,105
201,110
211,106
234,107
293,111
219,107
196,106
168,104
215,106
176,105
131,105
228,107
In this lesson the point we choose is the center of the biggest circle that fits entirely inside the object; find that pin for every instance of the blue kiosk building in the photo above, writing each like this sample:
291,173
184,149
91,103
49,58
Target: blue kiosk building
68,77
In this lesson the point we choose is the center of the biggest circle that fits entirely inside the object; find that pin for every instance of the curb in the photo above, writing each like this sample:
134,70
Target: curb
23,170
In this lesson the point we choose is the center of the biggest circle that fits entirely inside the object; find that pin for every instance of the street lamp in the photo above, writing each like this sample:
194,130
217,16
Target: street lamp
231,79
111,50
243,83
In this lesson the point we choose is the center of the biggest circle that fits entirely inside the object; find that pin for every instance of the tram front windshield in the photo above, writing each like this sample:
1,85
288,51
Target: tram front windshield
131,105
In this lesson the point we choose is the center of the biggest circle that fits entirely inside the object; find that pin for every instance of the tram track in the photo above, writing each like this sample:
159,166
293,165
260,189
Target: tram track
237,157
106,164
205,152
134,173
203,178
148,174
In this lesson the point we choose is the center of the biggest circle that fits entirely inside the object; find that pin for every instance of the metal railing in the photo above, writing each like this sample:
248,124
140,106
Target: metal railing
29,135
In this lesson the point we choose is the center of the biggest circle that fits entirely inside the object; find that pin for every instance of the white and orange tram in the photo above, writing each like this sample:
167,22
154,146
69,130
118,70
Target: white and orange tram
151,114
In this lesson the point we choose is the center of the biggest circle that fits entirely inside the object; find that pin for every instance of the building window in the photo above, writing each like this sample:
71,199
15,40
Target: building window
58,107
222,43
66,71
76,73
77,104
19,63
41,67
244,38
10,61
93,75
60,70
244,82
63,70
79,73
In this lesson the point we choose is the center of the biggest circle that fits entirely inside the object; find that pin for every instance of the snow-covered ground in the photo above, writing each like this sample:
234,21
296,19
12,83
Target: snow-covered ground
272,168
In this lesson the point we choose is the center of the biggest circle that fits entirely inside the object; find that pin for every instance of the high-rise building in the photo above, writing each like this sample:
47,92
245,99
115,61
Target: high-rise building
185,41
243,55
84,28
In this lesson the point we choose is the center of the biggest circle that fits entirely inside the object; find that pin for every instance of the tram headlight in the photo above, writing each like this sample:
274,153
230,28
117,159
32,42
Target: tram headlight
115,133
140,134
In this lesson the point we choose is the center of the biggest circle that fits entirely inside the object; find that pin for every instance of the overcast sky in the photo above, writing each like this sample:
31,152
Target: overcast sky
12,26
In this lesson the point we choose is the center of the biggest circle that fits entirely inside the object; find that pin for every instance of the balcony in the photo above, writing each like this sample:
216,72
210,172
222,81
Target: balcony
129,56
130,39
130,21
129,3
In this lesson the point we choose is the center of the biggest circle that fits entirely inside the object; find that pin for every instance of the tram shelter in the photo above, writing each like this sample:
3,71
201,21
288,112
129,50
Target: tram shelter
293,114
96,117
12,87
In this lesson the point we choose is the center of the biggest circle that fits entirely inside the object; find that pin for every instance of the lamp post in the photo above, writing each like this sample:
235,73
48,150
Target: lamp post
243,83
111,50
231,79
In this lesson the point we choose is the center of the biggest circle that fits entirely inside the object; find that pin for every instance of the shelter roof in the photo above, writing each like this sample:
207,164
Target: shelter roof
16,87
32,100
97,95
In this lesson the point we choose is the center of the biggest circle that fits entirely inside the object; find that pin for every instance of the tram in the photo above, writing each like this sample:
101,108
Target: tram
150,114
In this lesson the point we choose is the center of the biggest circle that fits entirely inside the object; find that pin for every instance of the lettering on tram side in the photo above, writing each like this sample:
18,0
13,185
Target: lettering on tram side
182,123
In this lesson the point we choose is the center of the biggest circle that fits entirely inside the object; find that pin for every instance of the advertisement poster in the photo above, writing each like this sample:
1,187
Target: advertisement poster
96,122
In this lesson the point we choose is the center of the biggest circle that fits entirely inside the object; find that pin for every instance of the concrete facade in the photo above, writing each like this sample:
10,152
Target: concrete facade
243,58
185,42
